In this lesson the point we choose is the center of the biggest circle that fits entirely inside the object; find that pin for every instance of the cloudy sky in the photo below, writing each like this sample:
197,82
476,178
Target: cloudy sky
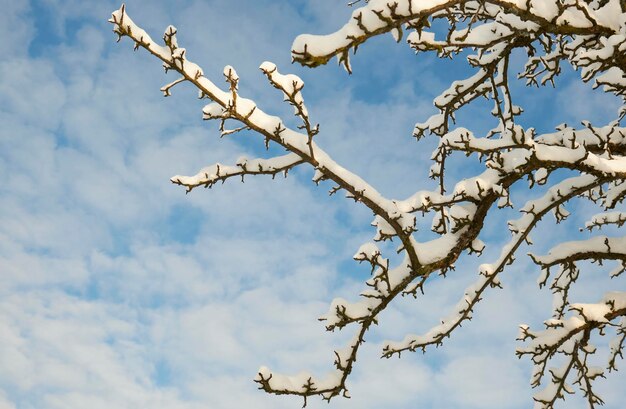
117,290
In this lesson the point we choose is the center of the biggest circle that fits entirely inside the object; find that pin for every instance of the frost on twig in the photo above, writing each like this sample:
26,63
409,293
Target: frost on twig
492,34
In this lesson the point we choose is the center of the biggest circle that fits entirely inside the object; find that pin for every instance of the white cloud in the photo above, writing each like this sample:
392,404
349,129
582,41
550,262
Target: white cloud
482,381
101,302
16,30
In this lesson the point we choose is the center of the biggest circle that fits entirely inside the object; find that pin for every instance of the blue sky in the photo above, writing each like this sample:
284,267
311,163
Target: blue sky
117,290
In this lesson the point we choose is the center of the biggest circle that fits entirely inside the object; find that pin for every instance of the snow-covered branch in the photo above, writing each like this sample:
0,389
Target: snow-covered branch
590,35
228,104
521,228
596,248
528,19
209,176
571,338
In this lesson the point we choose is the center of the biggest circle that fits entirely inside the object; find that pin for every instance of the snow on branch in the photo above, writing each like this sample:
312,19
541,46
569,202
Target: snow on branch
596,248
209,176
520,229
228,104
492,34
571,338
526,18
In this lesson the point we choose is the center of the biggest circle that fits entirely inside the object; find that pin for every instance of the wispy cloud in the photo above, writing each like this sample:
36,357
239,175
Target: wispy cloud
118,290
